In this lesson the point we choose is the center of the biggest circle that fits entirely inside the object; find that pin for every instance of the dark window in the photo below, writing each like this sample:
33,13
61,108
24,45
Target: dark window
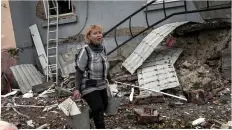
63,7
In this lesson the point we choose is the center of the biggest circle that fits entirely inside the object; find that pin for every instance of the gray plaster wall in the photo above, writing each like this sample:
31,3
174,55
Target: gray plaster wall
106,13
224,14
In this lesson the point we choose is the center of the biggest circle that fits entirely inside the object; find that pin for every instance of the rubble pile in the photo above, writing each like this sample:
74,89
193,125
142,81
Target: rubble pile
199,71
35,112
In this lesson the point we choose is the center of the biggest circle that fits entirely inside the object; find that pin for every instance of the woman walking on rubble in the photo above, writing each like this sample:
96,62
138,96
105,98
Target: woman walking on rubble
92,74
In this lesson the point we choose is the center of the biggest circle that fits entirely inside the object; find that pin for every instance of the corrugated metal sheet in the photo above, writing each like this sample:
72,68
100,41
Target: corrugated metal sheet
67,61
26,76
148,45
158,77
160,55
158,72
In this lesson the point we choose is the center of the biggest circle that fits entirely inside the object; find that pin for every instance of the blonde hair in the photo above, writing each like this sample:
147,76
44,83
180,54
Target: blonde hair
89,29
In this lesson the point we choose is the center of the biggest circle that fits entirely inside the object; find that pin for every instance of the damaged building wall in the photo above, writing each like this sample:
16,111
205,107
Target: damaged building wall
215,14
8,47
106,13
22,18
200,65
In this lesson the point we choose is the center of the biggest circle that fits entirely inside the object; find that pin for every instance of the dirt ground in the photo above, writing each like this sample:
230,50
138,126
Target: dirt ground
171,116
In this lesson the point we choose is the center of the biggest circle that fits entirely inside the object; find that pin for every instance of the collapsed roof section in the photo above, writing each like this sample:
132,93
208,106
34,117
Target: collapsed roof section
148,45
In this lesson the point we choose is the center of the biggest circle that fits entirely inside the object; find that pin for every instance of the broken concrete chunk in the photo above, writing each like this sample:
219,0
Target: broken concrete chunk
198,121
46,93
30,123
186,64
206,81
196,96
148,99
28,95
229,123
146,115
42,87
62,92
227,126
127,78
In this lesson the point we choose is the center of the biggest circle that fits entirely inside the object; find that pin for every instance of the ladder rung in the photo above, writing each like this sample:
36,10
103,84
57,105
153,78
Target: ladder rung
53,23
53,7
52,56
52,65
52,73
52,39
52,47
53,31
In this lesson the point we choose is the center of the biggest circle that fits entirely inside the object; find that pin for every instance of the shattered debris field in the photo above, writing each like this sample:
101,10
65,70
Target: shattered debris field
203,79
171,115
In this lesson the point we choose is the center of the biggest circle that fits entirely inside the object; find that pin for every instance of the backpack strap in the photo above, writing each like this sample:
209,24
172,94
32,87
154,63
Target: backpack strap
88,61
103,64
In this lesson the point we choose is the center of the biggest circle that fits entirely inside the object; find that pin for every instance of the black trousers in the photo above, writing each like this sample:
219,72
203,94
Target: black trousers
98,102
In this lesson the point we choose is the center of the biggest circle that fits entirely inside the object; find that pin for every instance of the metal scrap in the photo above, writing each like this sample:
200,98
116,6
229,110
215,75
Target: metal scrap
26,76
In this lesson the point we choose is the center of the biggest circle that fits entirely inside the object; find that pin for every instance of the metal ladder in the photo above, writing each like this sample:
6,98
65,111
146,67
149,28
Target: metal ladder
52,67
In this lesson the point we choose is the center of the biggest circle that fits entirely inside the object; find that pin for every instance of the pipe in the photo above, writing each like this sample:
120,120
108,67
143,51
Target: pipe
152,90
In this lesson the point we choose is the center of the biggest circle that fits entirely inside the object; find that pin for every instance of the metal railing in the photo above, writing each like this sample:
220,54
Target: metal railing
207,8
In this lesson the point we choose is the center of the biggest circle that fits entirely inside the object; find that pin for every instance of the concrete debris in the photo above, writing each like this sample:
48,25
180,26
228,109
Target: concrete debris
62,92
68,82
229,123
226,91
28,95
149,98
146,115
10,94
214,124
116,69
131,94
225,126
30,123
42,87
67,60
124,78
186,65
186,113
46,93
69,107
195,96
198,121
175,104
43,126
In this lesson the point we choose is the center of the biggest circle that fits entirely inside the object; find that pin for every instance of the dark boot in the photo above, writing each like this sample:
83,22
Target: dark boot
100,125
